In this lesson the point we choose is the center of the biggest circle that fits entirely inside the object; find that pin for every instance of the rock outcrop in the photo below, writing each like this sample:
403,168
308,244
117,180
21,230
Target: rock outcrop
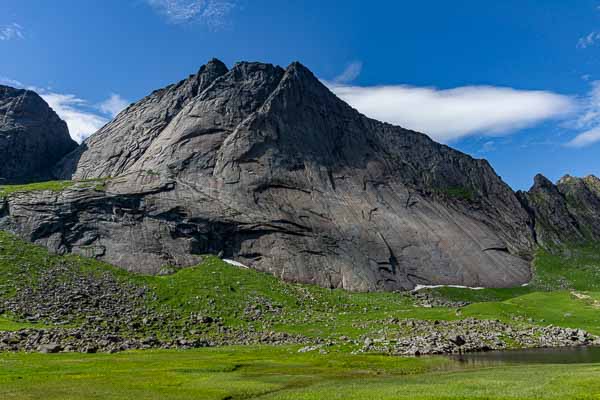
32,137
565,213
266,166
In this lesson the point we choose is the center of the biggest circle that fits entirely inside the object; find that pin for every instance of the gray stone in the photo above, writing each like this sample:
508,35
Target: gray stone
50,348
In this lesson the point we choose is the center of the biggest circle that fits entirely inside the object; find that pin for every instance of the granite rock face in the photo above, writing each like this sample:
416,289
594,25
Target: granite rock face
266,166
32,137
568,212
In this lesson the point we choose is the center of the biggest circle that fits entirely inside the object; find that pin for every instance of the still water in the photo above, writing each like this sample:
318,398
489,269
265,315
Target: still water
567,355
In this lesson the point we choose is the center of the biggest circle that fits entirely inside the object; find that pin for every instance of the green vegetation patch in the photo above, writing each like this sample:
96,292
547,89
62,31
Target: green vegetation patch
279,373
55,186
457,192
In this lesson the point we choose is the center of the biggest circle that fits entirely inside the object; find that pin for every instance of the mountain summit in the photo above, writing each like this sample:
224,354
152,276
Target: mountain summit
266,166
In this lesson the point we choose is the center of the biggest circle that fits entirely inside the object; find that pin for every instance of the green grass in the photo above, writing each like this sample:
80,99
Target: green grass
543,308
575,267
281,373
55,186
10,325
457,192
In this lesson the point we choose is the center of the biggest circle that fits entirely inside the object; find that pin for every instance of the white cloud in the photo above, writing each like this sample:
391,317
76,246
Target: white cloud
9,82
81,119
589,40
590,108
588,118
11,31
351,72
451,114
113,105
213,13
488,147
586,138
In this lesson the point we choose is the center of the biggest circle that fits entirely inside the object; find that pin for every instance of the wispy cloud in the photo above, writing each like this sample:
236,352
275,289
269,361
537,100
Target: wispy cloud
11,32
10,82
351,72
451,114
213,13
586,138
113,105
588,119
589,40
488,147
81,118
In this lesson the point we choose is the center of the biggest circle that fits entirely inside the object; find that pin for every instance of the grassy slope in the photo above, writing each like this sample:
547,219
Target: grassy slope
280,373
220,290
217,289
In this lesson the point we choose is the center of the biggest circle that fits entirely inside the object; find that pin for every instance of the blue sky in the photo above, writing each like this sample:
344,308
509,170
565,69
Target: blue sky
515,82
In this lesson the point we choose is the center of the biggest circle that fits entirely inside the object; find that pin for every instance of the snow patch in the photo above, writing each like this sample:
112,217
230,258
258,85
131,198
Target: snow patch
419,287
237,264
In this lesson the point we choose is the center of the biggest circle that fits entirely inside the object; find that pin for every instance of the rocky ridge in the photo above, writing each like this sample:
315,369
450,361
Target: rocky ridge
565,212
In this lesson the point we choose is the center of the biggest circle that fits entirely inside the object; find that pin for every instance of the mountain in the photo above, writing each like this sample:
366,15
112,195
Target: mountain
266,166
568,212
32,137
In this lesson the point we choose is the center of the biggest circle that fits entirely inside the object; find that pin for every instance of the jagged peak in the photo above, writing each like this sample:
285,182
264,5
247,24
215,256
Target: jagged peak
297,66
567,179
592,178
214,64
540,182
253,65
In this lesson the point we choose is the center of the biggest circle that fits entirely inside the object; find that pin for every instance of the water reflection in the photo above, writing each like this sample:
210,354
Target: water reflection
568,355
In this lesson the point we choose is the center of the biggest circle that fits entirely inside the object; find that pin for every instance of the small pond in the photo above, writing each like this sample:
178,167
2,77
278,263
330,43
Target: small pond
565,355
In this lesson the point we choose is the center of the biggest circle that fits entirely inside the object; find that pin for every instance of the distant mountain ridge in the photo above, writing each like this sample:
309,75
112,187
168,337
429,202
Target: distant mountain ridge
568,211
266,166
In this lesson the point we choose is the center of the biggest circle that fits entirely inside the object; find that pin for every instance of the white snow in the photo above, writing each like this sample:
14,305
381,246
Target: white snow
419,287
237,264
